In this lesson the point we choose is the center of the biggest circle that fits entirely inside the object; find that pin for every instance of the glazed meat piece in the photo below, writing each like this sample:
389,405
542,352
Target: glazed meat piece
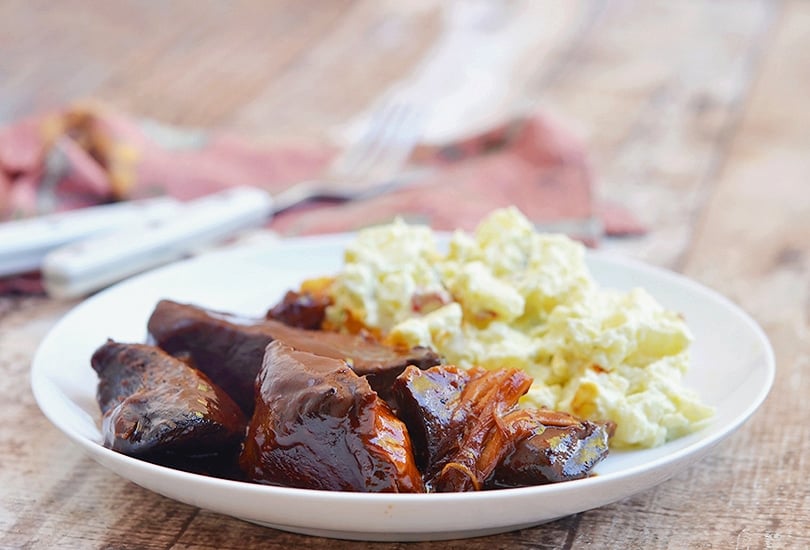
318,425
230,349
455,418
484,400
301,309
550,446
428,402
159,408
227,349
468,433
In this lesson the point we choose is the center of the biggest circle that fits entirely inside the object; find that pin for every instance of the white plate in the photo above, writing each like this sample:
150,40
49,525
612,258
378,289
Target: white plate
732,369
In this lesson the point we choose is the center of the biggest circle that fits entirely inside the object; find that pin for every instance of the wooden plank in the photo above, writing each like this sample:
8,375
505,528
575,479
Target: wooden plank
378,45
658,106
51,56
751,244
152,58
228,56
342,71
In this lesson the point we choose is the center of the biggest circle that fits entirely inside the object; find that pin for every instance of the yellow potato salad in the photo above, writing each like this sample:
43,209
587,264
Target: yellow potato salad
508,296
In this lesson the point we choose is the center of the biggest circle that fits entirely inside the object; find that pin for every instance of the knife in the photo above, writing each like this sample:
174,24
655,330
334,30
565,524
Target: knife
25,243
90,264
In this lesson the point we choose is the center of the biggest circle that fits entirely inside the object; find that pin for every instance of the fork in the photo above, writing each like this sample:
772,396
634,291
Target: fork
365,169
369,166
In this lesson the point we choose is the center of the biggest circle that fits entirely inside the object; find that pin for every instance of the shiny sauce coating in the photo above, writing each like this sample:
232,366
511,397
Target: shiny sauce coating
318,425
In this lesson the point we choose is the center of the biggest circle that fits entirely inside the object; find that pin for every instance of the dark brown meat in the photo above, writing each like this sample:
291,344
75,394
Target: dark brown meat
301,309
428,402
229,349
455,416
468,433
483,401
157,407
318,425
550,447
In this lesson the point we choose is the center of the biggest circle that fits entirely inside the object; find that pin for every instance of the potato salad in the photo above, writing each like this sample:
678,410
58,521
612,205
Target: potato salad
509,297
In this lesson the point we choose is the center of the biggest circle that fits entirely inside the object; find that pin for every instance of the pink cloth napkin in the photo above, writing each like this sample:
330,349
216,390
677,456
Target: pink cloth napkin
89,154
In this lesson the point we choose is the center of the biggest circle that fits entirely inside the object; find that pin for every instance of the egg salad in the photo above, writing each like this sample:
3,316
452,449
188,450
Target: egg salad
509,297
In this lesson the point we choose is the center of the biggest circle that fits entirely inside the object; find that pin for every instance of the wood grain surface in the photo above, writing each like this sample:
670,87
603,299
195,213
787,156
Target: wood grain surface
696,116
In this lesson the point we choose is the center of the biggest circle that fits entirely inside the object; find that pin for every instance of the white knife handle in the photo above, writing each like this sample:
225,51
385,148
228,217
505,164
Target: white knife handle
89,265
24,243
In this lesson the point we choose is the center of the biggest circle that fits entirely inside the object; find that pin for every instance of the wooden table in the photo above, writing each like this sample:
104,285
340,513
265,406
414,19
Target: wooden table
697,117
